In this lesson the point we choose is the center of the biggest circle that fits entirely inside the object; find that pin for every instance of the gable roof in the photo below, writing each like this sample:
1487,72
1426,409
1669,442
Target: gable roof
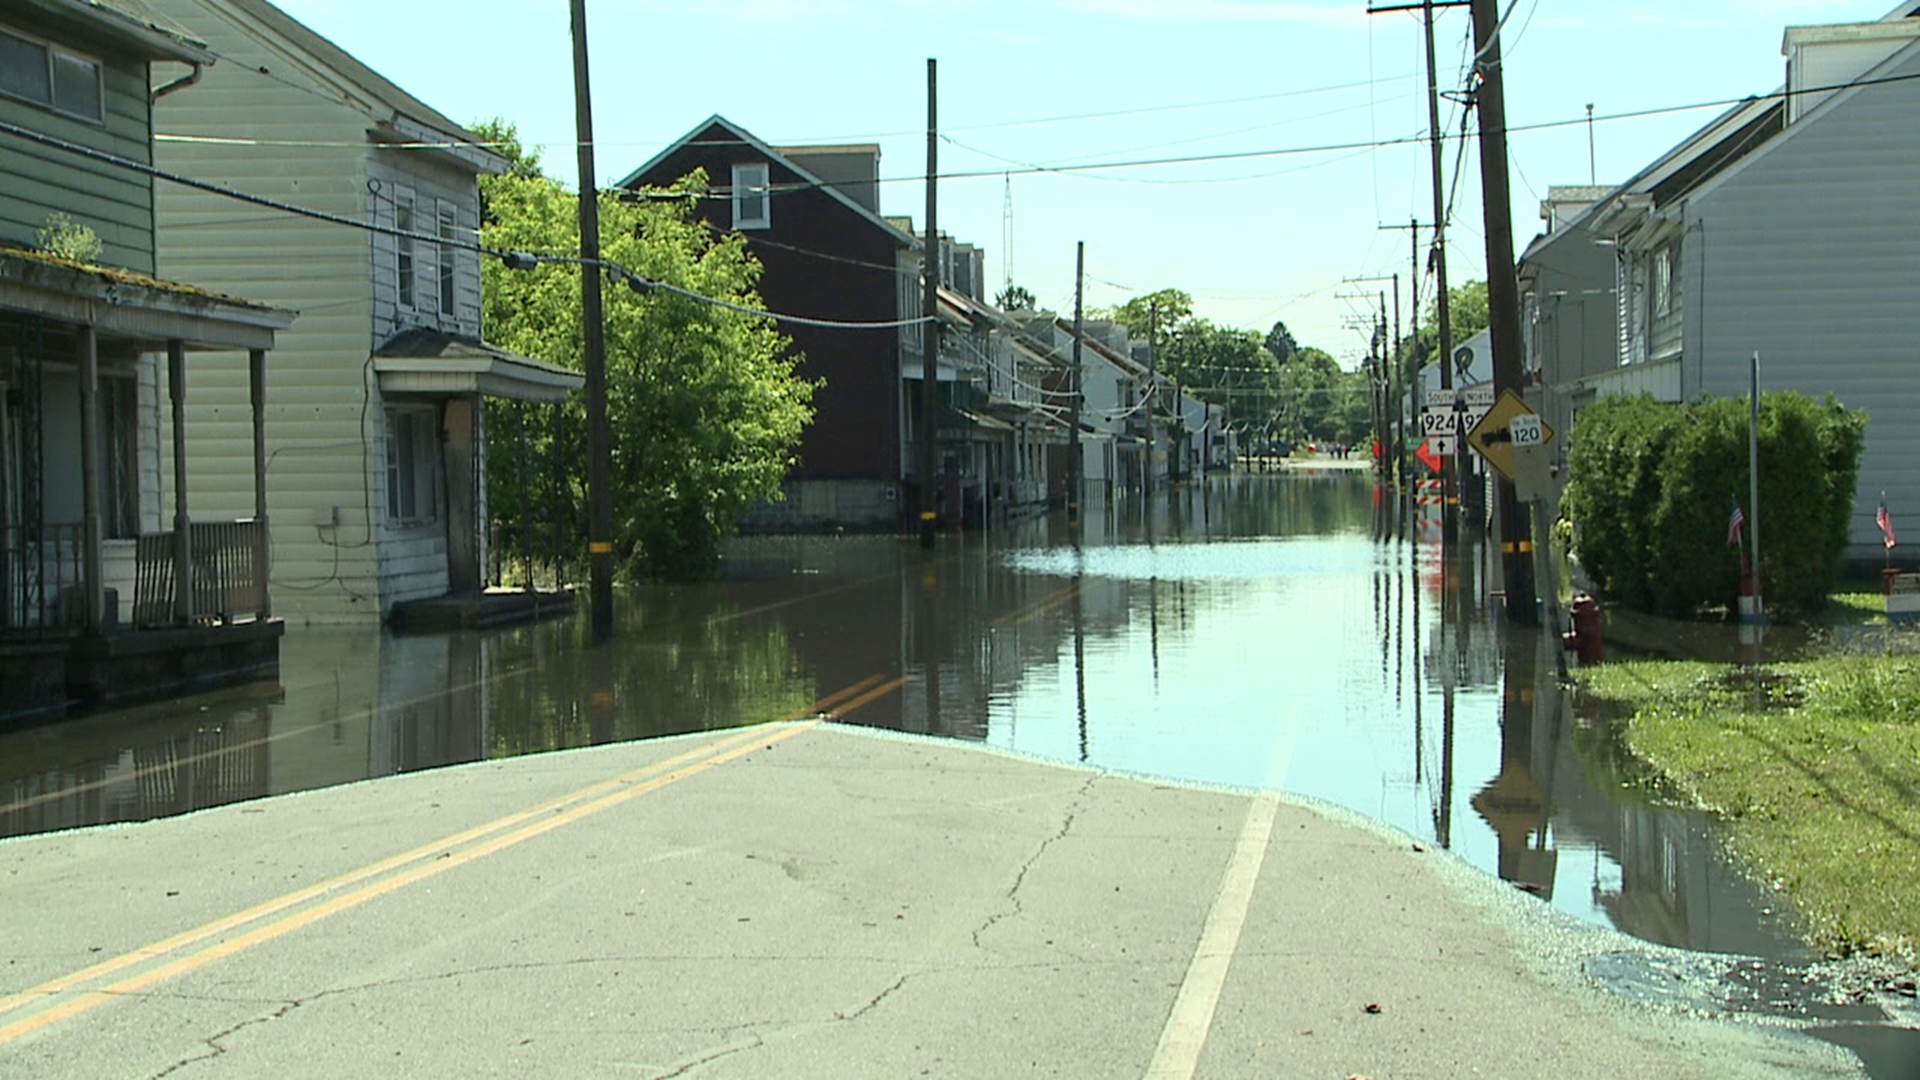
370,82
632,179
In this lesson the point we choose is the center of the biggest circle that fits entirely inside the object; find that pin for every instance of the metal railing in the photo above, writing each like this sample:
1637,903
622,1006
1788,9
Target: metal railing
38,568
227,579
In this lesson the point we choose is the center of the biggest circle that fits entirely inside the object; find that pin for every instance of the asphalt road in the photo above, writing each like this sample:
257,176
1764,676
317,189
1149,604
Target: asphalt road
804,900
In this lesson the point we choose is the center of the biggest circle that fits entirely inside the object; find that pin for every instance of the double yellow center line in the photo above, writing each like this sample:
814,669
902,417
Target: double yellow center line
303,907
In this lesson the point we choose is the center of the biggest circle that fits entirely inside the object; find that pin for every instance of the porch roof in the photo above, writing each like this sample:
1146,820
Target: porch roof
124,304
420,361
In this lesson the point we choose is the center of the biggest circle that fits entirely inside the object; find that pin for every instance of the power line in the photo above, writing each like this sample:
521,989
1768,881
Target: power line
517,260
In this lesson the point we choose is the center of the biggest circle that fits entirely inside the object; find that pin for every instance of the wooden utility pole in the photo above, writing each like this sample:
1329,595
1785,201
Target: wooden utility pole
599,494
1153,390
930,310
1503,295
1074,479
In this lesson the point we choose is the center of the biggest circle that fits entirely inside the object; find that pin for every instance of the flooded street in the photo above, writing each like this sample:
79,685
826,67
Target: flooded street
1260,631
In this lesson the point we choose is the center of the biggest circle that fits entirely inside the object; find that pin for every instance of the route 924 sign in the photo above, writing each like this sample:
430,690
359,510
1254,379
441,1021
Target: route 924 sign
1439,417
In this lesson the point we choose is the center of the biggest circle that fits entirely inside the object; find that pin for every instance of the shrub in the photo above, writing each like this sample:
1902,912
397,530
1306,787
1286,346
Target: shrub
1652,485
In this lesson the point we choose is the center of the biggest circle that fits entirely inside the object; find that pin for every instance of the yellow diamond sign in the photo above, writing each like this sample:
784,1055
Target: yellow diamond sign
1507,425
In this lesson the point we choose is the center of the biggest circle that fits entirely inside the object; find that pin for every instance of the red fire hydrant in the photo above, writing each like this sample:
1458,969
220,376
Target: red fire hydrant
1584,638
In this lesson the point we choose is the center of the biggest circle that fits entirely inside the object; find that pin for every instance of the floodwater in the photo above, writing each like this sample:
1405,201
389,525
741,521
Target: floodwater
1264,631
1288,631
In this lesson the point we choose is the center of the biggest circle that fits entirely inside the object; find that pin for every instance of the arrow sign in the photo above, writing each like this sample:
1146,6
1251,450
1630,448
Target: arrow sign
1508,424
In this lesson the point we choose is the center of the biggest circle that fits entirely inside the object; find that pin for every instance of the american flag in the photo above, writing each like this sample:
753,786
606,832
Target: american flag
1733,524
1885,521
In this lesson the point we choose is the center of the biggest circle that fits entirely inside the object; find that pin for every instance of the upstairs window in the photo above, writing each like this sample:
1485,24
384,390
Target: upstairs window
48,75
752,199
403,247
447,227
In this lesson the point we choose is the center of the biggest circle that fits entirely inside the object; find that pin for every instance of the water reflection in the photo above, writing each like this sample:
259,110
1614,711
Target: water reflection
1295,631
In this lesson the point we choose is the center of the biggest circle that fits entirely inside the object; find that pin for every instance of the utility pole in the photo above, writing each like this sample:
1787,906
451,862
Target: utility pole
930,310
599,494
1450,471
1074,464
1503,295
1153,392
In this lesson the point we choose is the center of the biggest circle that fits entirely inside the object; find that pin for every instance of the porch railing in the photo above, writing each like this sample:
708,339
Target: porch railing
38,567
227,578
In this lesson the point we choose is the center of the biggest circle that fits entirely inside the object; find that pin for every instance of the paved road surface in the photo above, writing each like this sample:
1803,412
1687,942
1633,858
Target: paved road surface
804,900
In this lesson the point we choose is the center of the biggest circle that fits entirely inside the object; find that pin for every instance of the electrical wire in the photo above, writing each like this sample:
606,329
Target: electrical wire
514,259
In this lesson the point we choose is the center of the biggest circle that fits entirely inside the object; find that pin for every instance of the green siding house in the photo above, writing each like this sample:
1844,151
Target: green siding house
110,587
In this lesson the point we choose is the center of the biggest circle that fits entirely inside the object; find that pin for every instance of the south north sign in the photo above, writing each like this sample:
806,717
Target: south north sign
1507,425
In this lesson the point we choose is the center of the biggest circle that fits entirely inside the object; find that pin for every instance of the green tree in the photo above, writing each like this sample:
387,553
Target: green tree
1467,310
1281,344
1175,307
703,402
1015,298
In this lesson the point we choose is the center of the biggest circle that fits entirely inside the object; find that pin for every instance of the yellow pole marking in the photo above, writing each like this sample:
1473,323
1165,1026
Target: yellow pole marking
702,758
600,547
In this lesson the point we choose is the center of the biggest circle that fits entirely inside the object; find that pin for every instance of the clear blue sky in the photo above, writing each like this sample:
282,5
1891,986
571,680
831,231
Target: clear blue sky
1253,238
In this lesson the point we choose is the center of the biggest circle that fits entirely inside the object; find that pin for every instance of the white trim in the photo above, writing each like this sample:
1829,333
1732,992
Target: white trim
752,182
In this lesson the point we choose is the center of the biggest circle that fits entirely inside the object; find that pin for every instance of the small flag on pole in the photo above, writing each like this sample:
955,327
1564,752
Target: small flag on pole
1884,520
1733,524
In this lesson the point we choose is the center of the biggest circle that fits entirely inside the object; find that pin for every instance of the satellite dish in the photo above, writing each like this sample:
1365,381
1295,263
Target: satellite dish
1462,359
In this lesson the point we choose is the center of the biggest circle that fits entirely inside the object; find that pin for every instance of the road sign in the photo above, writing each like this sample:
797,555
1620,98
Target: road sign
1496,434
1451,412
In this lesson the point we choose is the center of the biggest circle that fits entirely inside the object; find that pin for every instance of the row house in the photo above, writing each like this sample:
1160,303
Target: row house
1782,227
846,285
376,425
116,579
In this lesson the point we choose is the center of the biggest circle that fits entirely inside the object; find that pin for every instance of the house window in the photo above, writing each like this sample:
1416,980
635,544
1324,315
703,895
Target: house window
447,226
752,201
410,460
48,75
403,246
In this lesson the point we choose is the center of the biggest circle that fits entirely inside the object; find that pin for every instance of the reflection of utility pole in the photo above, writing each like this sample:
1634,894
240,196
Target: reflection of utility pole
599,439
1503,295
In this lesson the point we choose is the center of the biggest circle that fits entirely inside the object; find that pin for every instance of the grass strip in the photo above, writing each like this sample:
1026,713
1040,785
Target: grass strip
1815,766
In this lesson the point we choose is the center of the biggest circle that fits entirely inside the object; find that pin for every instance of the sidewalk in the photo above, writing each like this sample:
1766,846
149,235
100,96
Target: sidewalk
804,901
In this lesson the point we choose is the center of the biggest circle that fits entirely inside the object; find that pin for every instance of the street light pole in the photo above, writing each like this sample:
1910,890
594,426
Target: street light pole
599,495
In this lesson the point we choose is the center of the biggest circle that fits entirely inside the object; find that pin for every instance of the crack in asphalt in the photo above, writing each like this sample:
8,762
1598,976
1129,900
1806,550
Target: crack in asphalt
725,1051
1020,876
214,1049
877,999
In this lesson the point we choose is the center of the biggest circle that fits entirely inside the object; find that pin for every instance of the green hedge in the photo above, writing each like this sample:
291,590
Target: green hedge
1651,487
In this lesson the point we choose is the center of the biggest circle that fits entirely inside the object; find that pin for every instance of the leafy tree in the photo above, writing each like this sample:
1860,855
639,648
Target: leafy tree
1467,310
1016,298
704,405
1175,307
1281,344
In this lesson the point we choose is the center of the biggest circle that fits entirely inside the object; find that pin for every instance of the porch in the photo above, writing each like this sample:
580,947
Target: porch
98,602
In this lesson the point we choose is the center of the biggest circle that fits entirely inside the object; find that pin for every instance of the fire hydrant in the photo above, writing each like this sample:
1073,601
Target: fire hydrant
1584,638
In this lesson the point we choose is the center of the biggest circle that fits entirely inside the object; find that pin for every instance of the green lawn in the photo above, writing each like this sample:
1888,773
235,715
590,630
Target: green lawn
1815,765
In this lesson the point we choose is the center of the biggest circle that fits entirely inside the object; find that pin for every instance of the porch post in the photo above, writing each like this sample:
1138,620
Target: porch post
262,541
182,542
92,571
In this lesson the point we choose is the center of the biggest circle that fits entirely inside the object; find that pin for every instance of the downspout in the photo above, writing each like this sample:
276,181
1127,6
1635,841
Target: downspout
180,83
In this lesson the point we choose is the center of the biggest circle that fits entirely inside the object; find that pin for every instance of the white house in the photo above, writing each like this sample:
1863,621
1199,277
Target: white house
374,428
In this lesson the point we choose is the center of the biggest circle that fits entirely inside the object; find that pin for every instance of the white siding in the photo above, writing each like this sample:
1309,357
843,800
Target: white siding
326,501
1811,255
